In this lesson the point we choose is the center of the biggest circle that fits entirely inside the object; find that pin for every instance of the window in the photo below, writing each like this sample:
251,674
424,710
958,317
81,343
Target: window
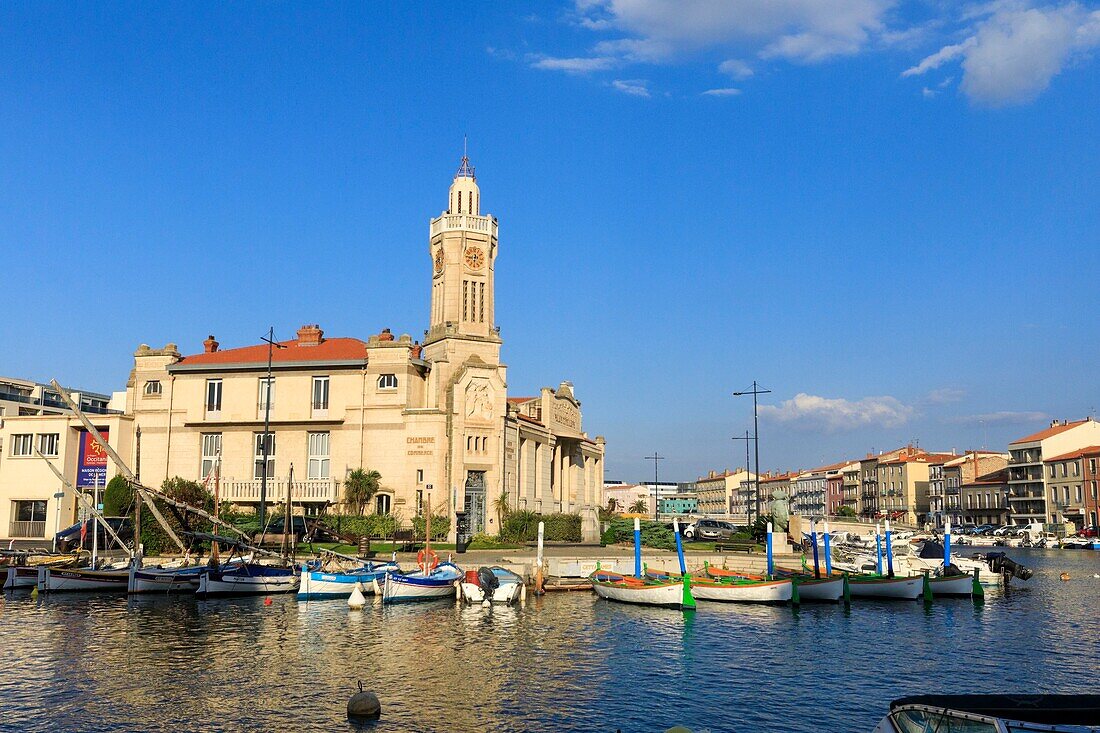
153,388
320,393
258,440
1076,468
1053,471
213,395
318,456
267,394
387,381
382,504
47,444
1064,474
419,502
22,444
420,475
481,302
211,448
1078,492
30,511
1092,466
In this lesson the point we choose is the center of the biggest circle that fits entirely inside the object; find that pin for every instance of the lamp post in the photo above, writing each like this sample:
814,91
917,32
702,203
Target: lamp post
265,438
748,506
756,434
656,505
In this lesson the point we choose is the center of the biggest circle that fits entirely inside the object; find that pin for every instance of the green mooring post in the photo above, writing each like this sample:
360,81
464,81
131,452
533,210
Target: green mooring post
976,590
847,590
687,603
927,588
795,598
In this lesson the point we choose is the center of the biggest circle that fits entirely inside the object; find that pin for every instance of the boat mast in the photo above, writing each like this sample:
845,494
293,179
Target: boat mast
287,516
95,522
217,506
428,524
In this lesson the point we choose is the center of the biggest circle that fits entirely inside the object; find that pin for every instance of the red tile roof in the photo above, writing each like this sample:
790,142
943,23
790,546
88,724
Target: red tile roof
330,349
1091,450
1049,432
519,400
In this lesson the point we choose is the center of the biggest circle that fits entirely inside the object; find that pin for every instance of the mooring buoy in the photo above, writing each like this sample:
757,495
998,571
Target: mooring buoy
364,705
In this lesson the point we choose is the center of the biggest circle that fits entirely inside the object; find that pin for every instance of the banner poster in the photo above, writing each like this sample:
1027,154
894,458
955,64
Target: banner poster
91,465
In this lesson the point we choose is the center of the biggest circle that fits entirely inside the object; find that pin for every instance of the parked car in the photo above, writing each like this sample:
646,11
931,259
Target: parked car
1088,532
69,538
1035,528
981,529
710,529
1004,529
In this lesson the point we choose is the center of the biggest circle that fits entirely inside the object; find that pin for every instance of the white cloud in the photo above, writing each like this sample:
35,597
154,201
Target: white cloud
578,65
736,68
1013,50
634,87
944,395
836,413
723,92
1001,418
927,93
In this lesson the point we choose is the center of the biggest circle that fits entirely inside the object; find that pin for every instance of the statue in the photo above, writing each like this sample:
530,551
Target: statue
780,511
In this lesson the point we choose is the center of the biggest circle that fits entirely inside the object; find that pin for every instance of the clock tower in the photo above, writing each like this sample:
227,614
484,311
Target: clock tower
463,250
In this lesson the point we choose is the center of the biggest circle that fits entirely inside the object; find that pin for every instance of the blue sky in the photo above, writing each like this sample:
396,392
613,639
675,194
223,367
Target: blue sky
885,212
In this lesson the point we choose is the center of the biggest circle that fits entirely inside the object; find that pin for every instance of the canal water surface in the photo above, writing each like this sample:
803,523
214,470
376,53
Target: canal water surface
565,662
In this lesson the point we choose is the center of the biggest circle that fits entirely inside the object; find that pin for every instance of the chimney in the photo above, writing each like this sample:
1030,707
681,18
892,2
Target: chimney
310,335
209,346
386,335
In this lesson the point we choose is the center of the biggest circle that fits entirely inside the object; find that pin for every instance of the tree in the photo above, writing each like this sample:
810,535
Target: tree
118,498
501,506
360,487
639,507
612,505
846,511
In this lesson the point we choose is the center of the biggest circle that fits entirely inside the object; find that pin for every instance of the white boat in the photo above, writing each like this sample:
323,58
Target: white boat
883,586
501,584
420,585
248,579
993,714
951,585
21,577
165,580
628,589
318,584
56,580
743,591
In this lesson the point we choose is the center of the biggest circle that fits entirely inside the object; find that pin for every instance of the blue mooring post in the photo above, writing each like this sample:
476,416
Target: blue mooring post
771,560
813,539
878,550
946,544
828,554
637,548
679,546
889,552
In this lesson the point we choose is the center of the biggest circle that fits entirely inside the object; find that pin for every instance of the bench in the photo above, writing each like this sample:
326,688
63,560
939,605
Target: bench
735,546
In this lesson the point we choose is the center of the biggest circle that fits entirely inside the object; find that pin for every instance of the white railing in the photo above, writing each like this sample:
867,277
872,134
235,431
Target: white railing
448,222
311,490
27,529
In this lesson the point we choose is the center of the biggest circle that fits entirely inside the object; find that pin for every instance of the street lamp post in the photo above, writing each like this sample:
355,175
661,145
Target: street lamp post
264,440
656,505
748,506
756,434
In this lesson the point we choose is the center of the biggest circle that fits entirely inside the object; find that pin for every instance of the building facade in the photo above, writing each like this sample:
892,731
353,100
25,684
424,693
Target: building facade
434,419
1027,480
716,491
984,498
1091,469
22,397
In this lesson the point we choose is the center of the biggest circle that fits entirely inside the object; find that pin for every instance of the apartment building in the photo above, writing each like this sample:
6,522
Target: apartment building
716,491
1028,481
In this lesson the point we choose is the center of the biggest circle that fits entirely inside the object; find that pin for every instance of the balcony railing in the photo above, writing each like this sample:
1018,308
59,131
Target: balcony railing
464,221
309,490
27,529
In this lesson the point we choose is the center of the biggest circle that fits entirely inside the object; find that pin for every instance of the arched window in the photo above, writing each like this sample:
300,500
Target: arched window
382,503
387,381
152,387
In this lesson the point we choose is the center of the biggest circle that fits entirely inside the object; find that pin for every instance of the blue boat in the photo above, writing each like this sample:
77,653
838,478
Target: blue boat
421,585
317,584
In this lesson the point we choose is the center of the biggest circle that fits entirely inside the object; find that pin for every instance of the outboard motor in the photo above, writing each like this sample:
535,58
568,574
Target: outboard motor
1000,563
488,581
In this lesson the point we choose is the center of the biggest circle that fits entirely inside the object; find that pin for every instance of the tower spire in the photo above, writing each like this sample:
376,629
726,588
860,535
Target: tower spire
465,170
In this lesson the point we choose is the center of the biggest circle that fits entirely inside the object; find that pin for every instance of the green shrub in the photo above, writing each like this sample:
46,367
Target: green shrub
561,527
118,498
523,526
369,525
441,526
520,526
654,534
608,537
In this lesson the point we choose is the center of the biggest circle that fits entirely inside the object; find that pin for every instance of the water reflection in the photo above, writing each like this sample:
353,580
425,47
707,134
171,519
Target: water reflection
566,661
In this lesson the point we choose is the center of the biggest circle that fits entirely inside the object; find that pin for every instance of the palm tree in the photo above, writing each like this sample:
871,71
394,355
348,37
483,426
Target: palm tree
501,505
641,506
612,505
360,486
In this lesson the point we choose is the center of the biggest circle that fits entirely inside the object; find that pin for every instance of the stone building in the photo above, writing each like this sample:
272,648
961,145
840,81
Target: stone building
434,419
1027,481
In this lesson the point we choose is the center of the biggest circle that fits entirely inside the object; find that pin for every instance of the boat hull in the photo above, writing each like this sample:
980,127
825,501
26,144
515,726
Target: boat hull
668,595
906,588
411,587
317,585
266,581
765,591
59,580
506,592
820,589
165,581
955,585
21,577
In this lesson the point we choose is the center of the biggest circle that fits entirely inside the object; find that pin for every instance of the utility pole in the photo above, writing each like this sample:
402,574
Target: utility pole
756,432
748,506
266,438
656,504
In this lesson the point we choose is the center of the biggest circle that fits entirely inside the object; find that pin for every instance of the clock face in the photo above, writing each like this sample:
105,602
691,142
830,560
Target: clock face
439,260
475,258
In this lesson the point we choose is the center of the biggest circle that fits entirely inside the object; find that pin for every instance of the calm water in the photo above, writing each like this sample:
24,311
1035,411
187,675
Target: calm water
566,662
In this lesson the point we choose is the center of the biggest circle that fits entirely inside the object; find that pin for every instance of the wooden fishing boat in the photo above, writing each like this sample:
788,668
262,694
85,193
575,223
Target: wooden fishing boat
810,588
247,579
316,584
498,584
715,584
870,585
951,585
426,584
56,580
672,593
21,577
169,580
